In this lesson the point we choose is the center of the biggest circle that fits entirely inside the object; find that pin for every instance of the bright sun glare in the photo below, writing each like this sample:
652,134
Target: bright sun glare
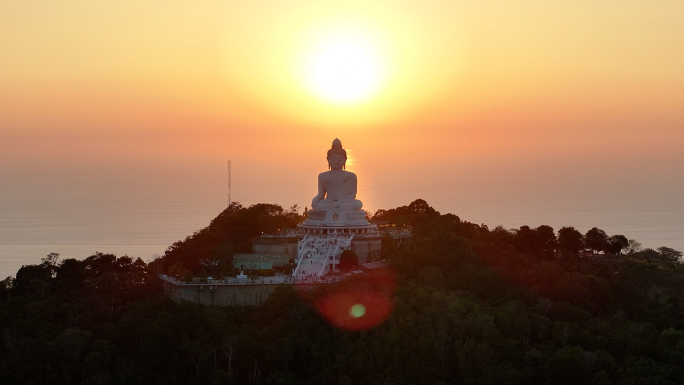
343,69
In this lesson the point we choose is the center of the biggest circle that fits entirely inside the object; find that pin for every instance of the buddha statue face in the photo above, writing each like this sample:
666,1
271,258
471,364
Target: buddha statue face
336,161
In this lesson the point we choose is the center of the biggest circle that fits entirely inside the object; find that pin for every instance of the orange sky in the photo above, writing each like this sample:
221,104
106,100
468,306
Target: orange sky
520,96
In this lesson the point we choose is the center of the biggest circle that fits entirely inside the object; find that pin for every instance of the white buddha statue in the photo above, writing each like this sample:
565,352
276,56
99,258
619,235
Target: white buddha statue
336,187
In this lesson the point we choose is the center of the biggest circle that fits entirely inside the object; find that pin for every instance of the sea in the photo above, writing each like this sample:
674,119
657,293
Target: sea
30,230
144,227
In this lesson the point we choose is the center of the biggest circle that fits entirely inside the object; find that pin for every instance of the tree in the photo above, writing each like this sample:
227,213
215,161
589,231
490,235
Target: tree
348,260
563,331
33,279
432,276
546,241
570,240
617,243
596,240
6,286
420,206
633,246
524,239
418,214
670,255
50,261
567,366
71,274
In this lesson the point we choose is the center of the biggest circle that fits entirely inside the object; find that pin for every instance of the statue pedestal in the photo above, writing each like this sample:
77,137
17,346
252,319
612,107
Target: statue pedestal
326,234
336,217
337,220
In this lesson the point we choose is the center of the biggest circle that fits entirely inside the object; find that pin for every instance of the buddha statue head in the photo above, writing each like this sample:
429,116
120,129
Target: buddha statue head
337,156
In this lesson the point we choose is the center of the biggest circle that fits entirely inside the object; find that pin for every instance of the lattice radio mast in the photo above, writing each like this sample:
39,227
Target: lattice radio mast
228,182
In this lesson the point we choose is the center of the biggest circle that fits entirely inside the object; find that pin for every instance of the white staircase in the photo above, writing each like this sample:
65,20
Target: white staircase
318,254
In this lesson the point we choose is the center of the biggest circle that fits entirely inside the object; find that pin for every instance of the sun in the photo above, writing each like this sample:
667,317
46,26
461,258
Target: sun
343,68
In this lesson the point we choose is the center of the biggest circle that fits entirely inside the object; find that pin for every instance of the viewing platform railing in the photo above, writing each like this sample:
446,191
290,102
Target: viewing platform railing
255,281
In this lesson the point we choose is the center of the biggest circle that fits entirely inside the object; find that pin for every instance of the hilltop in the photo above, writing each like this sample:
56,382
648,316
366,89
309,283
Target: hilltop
471,305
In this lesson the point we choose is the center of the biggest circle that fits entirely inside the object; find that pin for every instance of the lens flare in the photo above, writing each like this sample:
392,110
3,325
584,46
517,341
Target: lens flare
357,311
359,302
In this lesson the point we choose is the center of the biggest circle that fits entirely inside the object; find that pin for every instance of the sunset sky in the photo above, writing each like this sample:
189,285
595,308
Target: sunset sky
474,106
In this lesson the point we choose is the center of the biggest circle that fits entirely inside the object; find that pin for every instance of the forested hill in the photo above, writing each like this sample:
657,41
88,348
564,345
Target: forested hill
472,305
232,231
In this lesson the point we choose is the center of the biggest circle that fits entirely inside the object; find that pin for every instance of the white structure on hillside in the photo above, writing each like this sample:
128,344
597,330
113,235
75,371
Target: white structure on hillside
335,220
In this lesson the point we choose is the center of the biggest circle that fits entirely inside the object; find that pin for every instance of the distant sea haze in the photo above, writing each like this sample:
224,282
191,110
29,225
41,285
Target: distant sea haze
30,230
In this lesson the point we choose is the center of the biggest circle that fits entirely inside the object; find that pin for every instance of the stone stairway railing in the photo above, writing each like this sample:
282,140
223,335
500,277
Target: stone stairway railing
320,253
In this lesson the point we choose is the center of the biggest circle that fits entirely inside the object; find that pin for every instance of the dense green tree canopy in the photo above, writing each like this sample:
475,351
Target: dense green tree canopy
473,305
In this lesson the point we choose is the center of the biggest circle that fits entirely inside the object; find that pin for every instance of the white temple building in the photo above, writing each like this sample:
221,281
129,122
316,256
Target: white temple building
335,223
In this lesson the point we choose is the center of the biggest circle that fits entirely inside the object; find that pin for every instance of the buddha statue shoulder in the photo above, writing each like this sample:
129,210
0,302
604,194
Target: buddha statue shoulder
337,186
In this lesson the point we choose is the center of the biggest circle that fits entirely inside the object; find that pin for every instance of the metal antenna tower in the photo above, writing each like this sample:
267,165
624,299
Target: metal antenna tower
228,182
